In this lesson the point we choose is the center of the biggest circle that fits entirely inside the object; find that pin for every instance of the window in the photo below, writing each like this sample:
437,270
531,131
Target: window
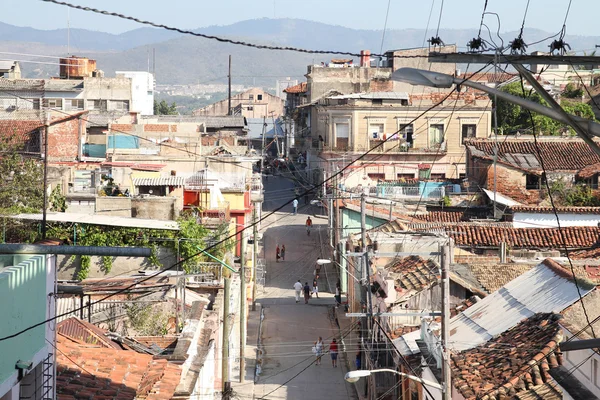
120,105
406,130
342,129
436,134
259,97
97,105
53,103
376,131
251,97
149,92
468,131
75,104
250,108
377,102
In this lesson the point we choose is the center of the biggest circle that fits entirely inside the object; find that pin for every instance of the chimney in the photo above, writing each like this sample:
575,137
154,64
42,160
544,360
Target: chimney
365,58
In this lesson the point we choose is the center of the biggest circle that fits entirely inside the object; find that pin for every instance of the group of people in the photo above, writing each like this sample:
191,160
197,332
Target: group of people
306,290
280,253
333,351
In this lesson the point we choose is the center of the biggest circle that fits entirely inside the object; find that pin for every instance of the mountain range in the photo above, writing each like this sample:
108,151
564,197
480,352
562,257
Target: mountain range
185,59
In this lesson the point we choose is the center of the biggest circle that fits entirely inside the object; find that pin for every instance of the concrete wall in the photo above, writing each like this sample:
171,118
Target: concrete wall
68,267
142,90
113,205
155,207
345,80
64,140
251,108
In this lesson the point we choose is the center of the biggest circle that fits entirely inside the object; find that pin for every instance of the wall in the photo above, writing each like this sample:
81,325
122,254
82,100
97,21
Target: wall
142,91
113,205
351,222
154,207
345,80
107,88
68,267
580,363
24,290
510,182
64,140
249,108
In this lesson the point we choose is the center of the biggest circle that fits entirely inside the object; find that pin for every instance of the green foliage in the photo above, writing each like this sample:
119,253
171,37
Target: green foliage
57,201
512,117
163,108
582,196
146,320
445,201
572,92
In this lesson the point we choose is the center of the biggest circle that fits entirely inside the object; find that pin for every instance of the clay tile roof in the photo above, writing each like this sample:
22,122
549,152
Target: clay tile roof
84,332
563,155
299,88
515,361
92,372
550,210
18,132
493,276
548,391
588,172
414,273
441,216
467,234
488,77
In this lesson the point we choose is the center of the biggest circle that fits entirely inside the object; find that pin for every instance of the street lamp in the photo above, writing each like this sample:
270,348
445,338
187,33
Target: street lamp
354,376
437,80
323,261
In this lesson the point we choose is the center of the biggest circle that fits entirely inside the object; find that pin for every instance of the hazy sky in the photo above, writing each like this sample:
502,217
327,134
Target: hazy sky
364,14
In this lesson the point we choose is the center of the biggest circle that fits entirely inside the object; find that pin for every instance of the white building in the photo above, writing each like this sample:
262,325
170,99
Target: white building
142,90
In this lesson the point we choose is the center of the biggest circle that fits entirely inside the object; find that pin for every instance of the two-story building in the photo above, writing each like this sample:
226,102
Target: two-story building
253,103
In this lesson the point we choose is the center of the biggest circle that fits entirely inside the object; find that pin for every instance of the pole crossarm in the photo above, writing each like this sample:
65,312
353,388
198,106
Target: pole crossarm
475,58
406,314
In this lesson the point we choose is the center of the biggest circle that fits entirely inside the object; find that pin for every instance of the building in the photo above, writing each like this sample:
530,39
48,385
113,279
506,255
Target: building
27,362
142,91
253,103
10,69
519,166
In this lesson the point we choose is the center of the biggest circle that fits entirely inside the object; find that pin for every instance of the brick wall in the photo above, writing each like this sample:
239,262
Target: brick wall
122,127
511,183
381,85
63,140
158,128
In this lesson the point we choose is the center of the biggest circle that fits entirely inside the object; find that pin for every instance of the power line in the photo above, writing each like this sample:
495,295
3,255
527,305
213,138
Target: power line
222,39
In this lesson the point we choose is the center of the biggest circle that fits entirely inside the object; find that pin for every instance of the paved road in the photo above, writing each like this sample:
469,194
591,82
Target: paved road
289,329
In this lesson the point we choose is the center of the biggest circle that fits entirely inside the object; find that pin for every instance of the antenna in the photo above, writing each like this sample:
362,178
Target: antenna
68,31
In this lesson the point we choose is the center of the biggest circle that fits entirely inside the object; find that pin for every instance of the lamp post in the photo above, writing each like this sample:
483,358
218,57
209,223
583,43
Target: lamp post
354,376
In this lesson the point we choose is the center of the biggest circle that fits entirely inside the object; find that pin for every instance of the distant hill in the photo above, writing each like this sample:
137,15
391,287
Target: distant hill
184,59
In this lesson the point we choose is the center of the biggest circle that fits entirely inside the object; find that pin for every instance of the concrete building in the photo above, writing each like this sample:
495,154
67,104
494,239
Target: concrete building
10,69
253,103
142,90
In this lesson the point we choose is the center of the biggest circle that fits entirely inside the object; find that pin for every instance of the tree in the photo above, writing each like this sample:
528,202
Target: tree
163,108
572,92
513,118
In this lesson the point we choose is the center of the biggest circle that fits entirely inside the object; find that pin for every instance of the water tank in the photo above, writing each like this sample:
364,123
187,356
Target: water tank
76,67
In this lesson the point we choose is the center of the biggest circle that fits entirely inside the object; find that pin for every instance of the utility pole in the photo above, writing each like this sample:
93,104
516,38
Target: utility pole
446,377
45,199
226,329
365,258
255,260
229,90
243,308
496,140
332,235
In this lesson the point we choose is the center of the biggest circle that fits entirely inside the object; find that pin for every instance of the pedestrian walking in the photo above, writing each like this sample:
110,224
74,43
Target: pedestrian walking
315,288
333,351
283,252
295,205
298,289
308,225
277,253
318,349
306,289
338,295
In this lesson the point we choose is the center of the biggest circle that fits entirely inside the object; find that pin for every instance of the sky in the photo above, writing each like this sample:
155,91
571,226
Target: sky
547,15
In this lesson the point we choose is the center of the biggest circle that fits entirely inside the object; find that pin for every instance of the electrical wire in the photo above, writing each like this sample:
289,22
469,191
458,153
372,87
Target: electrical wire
222,39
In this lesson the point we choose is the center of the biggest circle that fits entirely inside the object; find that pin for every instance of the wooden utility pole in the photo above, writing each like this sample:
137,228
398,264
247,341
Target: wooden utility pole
243,308
255,260
226,331
229,90
45,200
446,372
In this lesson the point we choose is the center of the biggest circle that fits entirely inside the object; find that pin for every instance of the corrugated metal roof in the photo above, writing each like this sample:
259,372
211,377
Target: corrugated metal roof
108,220
83,331
162,181
541,289
501,199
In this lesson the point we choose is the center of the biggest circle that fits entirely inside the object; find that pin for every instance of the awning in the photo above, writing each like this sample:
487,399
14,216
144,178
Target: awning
162,181
501,199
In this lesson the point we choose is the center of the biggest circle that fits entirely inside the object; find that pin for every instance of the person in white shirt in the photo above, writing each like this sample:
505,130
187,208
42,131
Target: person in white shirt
298,288
295,205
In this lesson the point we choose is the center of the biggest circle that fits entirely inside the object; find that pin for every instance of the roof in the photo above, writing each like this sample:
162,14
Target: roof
93,372
64,85
211,121
480,235
493,276
299,88
575,320
161,181
373,95
548,391
487,76
7,65
413,273
504,363
500,198
19,131
588,172
560,210
107,220
548,287
568,154
22,84
441,216
84,332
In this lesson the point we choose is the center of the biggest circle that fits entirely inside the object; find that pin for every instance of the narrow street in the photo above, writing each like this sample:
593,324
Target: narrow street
289,328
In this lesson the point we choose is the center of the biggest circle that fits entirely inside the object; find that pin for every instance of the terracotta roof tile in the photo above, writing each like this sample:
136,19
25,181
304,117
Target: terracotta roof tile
563,155
299,88
84,332
19,132
550,210
441,216
515,361
413,273
493,276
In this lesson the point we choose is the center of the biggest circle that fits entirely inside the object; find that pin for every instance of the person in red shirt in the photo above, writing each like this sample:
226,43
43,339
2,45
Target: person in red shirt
333,351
